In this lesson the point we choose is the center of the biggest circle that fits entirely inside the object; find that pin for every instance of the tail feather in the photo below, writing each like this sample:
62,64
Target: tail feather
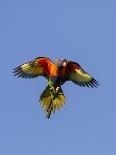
50,101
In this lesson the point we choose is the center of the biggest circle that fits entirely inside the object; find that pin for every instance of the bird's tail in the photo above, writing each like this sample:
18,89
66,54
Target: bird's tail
51,101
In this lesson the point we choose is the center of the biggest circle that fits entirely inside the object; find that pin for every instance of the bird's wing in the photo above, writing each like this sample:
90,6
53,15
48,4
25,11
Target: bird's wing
76,74
37,67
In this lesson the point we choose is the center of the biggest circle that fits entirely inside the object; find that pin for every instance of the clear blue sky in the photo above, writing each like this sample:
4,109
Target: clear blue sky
82,31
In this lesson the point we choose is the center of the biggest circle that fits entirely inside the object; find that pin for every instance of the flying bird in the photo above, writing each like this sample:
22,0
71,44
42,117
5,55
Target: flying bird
57,74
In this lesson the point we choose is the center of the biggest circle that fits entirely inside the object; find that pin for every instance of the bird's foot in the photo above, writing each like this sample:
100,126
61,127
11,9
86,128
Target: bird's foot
57,88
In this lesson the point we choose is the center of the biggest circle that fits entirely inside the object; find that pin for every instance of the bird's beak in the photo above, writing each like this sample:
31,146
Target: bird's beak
64,64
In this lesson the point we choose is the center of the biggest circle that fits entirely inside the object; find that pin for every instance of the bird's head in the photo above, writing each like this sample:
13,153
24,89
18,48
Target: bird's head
61,62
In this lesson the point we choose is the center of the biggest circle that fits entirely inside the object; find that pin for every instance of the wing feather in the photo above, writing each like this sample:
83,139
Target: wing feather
37,67
76,74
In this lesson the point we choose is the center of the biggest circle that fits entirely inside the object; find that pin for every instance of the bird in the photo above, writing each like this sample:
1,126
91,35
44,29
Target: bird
56,73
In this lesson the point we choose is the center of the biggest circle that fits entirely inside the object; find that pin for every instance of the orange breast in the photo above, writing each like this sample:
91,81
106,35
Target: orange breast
53,70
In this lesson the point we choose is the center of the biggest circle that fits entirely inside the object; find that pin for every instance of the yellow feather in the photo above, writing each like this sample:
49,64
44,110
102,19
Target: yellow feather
80,76
46,100
27,68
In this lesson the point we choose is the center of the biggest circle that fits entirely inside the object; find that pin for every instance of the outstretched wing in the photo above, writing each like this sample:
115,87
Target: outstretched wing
76,74
37,67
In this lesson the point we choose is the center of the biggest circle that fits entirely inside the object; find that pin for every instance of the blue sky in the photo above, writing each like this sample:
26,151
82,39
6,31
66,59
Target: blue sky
82,31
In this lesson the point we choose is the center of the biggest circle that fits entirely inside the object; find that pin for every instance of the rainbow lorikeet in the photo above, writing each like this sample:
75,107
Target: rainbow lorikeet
57,74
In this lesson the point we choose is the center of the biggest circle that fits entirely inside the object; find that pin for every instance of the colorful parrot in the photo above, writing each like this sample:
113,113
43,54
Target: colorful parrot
57,74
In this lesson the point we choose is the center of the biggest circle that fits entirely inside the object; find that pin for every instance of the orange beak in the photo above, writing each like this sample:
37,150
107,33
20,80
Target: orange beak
64,64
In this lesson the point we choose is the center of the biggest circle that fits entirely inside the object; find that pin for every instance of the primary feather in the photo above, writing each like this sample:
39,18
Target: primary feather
76,74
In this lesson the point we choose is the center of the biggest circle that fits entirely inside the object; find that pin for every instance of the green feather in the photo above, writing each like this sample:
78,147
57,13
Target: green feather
52,101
